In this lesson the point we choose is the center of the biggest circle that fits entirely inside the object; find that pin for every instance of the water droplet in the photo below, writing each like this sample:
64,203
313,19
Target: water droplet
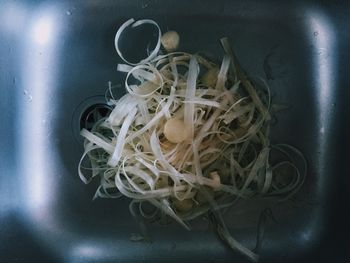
14,80
29,97
68,12
315,33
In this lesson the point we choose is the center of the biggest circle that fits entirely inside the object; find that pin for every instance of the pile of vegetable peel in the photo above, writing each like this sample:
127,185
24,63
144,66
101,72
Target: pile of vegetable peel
190,137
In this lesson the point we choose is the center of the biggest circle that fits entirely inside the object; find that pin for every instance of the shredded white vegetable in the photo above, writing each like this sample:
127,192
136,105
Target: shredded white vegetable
219,149
190,93
132,22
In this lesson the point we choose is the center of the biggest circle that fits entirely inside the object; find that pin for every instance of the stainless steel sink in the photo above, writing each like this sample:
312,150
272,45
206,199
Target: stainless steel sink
56,58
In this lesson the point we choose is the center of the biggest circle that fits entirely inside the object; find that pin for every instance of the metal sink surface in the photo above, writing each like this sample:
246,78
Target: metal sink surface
56,58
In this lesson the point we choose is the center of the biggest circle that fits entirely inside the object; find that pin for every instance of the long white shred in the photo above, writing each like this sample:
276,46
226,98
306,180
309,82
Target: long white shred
169,211
88,148
232,115
234,244
124,68
204,102
117,154
186,148
151,167
132,22
125,189
175,73
268,181
126,104
97,140
142,107
222,77
139,71
157,151
193,72
197,163
260,162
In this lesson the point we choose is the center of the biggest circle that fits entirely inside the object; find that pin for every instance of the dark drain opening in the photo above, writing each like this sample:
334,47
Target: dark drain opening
93,114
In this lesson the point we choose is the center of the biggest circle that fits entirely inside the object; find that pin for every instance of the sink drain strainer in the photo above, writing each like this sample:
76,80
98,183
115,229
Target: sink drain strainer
92,114
87,113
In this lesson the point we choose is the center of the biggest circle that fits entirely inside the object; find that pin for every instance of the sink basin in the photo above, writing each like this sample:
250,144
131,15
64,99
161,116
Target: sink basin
56,60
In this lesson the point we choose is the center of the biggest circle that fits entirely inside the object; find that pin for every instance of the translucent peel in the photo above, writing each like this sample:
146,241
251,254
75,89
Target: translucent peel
227,129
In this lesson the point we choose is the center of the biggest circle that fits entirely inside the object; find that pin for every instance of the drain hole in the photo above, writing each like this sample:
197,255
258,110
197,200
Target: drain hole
93,114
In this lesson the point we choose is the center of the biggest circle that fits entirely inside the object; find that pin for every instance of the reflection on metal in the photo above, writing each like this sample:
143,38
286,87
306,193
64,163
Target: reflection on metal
88,251
322,35
43,30
39,75
324,38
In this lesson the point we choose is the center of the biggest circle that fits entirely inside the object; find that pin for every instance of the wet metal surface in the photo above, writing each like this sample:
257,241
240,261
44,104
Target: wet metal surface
56,59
